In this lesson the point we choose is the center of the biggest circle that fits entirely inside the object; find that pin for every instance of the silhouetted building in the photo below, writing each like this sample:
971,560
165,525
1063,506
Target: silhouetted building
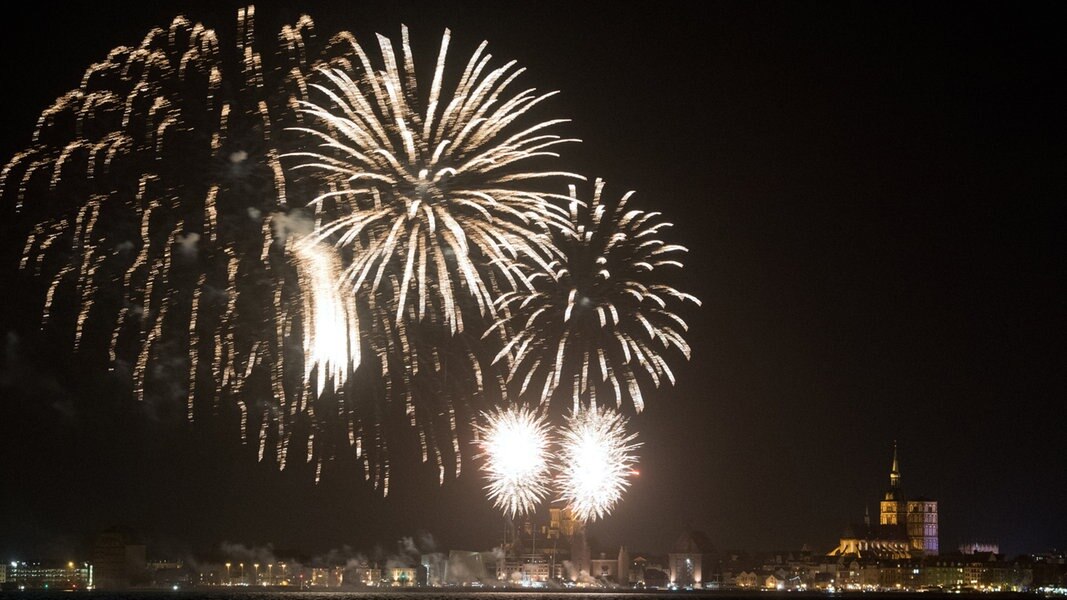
362,575
466,568
625,575
168,573
117,562
436,566
656,578
581,560
688,559
604,568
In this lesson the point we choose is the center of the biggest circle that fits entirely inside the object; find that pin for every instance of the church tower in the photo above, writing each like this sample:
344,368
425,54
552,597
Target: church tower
893,504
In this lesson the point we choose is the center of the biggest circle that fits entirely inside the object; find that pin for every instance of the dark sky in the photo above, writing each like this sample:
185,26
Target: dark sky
872,195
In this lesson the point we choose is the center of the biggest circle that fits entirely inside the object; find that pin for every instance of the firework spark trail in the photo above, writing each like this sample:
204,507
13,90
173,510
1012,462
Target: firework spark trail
514,444
596,460
434,194
602,314
136,119
437,209
86,287
194,346
433,217
331,331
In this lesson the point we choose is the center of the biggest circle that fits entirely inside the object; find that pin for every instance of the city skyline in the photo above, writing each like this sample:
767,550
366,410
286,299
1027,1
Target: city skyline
868,199
556,554
885,533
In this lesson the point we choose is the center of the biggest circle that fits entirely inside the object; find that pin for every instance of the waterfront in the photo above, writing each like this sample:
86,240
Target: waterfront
481,595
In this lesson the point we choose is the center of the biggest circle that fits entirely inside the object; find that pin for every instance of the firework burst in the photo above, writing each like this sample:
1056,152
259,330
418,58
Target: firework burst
596,460
157,230
604,313
434,209
447,198
331,324
150,192
514,444
159,226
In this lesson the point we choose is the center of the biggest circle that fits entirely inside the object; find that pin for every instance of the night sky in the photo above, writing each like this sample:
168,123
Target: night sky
872,195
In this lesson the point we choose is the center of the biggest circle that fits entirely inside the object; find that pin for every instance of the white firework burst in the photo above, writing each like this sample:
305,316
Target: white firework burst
514,445
603,314
149,194
596,459
331,329
446,197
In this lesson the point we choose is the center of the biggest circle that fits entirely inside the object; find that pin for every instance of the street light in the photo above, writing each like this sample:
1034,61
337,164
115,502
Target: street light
255,581
229,580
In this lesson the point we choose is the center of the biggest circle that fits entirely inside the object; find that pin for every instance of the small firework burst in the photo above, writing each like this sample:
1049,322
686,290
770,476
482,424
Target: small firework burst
596,460
514,445
603,315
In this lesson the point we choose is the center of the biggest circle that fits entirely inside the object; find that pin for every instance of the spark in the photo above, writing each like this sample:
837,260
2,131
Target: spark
437,195
514,445
156,197
604,314
124,149
596,460
437,204
331,333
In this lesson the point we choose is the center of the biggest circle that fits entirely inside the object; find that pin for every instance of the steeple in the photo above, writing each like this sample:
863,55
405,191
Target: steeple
894,473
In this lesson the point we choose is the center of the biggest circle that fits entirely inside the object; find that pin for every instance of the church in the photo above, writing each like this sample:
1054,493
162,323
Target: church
906,527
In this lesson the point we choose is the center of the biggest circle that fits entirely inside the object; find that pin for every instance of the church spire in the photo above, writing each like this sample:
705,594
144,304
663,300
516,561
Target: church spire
894,473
